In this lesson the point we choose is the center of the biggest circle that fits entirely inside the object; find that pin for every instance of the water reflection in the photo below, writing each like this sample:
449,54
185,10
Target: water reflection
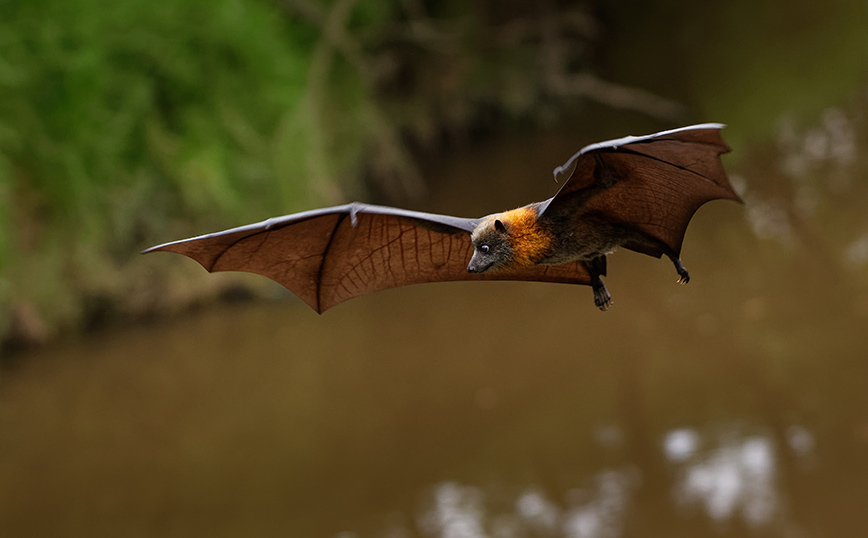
815,166
457,512
594,511
800,441
680,444
770,219
599,511
833,142
726,475
537,512
736,478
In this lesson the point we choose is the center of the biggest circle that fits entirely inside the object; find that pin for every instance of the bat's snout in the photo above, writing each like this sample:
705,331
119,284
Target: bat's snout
478,265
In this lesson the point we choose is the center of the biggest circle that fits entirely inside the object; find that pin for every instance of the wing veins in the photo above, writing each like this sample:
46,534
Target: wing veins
625,149
229,247
319,273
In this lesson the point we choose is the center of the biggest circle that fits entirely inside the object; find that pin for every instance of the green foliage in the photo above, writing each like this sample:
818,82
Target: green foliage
98,95
117,116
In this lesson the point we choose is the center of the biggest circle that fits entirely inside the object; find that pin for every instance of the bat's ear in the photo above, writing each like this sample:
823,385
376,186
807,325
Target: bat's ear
499,226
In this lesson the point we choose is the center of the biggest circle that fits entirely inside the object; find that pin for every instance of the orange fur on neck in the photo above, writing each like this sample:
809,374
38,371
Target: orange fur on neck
530,241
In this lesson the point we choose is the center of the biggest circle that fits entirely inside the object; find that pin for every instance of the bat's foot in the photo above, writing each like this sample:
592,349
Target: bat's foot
684,276
602,299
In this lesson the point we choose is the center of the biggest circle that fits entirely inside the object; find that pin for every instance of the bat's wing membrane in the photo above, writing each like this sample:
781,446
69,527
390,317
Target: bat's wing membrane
330,255
652,183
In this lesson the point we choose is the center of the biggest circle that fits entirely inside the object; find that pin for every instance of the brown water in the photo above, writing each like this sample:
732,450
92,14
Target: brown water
734,406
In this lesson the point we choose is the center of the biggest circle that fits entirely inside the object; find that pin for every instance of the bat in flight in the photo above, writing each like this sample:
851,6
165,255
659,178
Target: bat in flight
637,193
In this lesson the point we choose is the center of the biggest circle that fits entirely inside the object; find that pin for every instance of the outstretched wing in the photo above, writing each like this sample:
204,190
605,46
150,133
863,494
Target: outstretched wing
653,184
327,256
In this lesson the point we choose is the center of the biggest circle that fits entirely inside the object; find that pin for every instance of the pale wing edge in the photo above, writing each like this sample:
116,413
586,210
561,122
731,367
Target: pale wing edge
459,224
617,142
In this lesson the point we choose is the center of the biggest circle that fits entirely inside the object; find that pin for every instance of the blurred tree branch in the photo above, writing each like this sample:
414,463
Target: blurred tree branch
561,81
332,26
395,169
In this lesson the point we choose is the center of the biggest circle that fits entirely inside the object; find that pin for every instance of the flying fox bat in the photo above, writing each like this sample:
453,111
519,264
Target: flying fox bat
637,193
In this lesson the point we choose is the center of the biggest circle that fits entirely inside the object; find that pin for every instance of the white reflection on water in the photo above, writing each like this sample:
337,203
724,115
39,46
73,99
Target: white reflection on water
735,479
819,162
832,142
769,219
602,515
680,444
459,511
801,441
537,512
727,476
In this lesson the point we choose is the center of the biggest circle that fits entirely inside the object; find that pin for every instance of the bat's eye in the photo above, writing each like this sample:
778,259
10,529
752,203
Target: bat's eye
484,249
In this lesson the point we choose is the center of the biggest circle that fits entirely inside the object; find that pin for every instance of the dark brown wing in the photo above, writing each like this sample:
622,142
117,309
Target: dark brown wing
327,256
652,183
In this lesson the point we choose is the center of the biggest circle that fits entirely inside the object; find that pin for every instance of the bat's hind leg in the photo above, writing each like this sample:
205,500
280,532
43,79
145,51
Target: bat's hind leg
651,246
602,299
597,268
679,267
684,276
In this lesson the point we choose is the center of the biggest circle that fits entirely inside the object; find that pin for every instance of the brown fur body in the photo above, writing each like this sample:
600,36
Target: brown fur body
550,240
522,238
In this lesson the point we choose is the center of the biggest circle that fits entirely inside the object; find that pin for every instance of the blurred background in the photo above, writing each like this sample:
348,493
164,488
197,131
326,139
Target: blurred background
141,396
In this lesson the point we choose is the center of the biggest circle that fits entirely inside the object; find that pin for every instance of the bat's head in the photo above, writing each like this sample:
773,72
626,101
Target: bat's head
511,238
492,249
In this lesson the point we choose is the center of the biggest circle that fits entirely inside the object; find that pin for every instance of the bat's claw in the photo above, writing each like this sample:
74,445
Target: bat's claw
684,276
602,299
603,306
